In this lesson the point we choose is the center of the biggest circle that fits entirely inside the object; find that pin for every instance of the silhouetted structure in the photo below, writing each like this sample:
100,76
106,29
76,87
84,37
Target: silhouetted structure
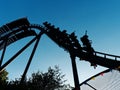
21,28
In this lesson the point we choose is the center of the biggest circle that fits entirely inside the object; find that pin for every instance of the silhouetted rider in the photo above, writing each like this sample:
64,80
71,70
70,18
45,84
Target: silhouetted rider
87,44
87,47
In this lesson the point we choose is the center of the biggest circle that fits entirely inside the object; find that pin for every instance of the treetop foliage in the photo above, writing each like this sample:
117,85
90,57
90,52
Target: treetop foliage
52,79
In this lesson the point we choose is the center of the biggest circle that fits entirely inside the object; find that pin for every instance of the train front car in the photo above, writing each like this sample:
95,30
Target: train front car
18,23
13,29
14,25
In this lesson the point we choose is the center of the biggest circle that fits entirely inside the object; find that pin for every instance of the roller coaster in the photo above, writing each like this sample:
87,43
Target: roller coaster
22,28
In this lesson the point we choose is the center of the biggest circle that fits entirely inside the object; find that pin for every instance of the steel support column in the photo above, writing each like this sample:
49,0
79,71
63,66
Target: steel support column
3,53
18,53
30,59
75,73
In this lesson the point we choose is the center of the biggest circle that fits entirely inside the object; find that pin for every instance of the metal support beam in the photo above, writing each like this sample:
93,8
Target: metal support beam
30,59
18,53
3,53
75,73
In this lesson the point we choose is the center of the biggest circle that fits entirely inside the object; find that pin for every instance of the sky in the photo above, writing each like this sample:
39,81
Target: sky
101,19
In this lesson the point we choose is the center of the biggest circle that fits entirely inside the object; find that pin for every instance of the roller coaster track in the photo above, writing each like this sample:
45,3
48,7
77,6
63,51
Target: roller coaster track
102,59
21,28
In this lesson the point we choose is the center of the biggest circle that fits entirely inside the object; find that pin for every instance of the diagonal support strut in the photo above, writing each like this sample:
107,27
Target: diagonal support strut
30,59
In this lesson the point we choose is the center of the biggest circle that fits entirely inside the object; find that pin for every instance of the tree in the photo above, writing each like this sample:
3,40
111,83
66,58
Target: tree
3,78
49,80
53,79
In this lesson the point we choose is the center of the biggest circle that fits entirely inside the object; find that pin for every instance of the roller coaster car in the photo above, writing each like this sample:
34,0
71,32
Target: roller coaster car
18,23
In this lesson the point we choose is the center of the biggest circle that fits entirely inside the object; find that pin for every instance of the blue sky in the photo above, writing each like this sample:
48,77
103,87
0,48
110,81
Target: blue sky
101,18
